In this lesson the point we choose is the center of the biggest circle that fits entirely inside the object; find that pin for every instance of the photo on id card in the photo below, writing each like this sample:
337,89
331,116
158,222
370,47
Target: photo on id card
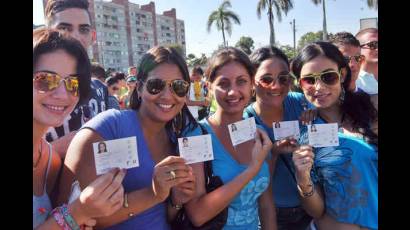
119,153
242,131
284,129
196,149
323,135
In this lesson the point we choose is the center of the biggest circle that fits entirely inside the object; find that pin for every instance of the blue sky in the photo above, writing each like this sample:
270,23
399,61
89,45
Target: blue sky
342,15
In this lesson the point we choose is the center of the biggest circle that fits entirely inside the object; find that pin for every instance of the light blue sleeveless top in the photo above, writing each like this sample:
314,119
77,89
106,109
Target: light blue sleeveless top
243,210
42,202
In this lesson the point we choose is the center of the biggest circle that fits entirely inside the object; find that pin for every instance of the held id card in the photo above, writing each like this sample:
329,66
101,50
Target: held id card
284,129
196,149
119,153
242,131
323,135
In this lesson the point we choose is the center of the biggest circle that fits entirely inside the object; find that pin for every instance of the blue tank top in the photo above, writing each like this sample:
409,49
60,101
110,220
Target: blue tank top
42,204
114,124
243,210
285,193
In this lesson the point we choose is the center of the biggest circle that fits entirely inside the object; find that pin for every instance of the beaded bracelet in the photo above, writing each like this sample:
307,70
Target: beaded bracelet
68,218
306,194
59,218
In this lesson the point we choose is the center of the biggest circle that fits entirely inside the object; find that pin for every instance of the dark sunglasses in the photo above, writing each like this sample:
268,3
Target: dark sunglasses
268,80
178,87
330,77
115,88
45,82
370,45
358,58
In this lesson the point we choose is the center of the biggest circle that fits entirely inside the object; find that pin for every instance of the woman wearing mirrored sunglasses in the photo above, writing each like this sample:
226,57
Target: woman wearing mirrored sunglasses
275,103
60,83
158,115
347,173
243,169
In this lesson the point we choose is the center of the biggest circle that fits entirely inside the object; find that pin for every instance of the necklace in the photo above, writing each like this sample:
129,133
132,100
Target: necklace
39,158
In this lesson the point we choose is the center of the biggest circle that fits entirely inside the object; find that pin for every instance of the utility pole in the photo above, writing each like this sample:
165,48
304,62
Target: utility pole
294,34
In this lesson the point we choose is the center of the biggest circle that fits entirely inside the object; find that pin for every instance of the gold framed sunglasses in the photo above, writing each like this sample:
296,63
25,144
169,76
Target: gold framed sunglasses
330,77
47,81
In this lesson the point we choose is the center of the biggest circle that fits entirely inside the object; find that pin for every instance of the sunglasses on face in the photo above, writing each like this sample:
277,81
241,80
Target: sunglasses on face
268,80
131,80
330,78
358,58
45,82
115,88
370,45
178,87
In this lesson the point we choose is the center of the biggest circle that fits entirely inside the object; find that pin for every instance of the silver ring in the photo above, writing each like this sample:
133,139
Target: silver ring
173,175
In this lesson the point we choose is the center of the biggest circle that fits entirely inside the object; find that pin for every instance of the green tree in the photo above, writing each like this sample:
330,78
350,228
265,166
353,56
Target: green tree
245,44
280,6
179,49
192,60
309,38
222,17
323,2
373,4
288,50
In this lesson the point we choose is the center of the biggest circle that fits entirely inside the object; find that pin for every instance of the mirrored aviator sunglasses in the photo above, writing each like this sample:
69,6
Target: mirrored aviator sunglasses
178,87
45,82
358,58
328,77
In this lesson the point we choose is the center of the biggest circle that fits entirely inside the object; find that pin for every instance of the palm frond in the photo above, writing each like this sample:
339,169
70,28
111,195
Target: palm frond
278,10
317,2
211,19
226,4
228,26
231,15
260,7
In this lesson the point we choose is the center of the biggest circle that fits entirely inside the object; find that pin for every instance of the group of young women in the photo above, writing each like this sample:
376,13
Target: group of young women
267,184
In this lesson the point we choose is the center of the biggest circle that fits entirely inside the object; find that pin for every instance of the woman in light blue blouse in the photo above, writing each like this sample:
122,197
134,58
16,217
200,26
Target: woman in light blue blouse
275,103
347,173
242,168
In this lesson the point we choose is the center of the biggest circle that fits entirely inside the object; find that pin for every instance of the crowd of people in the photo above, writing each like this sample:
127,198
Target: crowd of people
265,183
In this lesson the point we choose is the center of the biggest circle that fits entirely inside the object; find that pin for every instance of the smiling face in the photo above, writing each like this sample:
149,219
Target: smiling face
232,88
321,95
52,107
348,51
274,94
165,105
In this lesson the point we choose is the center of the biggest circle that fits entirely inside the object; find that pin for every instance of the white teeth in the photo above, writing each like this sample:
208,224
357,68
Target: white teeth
233,101
57,108
165,106
274,94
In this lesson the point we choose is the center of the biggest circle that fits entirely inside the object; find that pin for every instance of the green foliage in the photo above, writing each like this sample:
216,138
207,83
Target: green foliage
245,44
192,60
288,50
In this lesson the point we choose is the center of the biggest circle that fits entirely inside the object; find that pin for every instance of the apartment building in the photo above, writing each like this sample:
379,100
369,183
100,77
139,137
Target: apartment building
125,31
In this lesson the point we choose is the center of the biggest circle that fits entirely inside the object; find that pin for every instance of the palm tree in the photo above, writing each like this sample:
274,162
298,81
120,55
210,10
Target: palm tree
223,18
280,5
317,2
373,4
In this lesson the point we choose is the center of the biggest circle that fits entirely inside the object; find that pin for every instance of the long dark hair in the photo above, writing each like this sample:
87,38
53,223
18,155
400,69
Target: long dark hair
49,40
356,106
267,52
157,55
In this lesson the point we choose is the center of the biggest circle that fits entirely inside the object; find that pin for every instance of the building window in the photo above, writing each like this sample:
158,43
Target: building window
138,30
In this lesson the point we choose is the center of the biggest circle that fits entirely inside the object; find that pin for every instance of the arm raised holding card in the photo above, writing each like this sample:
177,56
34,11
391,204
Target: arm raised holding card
312,199
205,206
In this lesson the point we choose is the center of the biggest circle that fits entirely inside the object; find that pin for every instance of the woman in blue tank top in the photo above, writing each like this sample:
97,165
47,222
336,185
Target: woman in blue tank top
274,103
347,173
157,117
246,191
59,84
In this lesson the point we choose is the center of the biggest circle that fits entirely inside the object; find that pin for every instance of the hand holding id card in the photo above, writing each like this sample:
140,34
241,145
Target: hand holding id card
119,153
323,135
242,131
284,129
196,149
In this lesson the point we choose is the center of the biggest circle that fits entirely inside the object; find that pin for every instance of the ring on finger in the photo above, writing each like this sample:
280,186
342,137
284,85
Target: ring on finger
173,175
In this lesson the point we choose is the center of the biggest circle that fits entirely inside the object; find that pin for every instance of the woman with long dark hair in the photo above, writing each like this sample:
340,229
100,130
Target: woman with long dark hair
347,173
158,115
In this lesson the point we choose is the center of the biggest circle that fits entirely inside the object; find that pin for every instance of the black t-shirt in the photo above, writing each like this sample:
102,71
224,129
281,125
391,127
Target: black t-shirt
97,103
